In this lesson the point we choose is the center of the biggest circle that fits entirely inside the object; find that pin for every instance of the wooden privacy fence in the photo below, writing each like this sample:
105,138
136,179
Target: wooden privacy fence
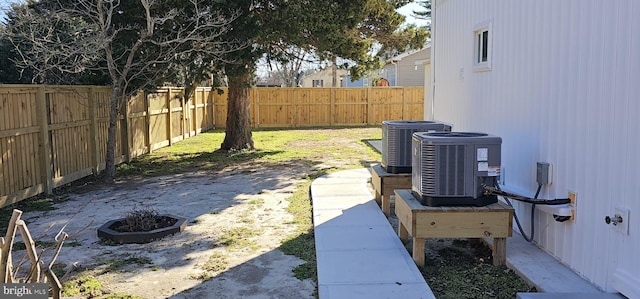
53,135
308,107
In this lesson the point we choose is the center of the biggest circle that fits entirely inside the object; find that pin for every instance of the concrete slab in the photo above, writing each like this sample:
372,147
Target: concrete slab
377,144
568,296
340,202
357,238
371,266
367,214
369,291
542,270
358,253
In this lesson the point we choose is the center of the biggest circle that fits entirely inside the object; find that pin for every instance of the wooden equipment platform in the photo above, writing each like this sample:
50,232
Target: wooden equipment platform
385,183
493,221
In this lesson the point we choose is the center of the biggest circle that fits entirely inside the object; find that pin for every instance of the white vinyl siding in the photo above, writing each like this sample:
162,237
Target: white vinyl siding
563,88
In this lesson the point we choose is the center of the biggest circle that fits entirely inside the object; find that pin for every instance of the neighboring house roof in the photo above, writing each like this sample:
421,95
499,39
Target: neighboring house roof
404,55
407,69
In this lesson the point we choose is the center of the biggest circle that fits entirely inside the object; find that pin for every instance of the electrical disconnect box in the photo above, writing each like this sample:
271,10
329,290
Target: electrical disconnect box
543,173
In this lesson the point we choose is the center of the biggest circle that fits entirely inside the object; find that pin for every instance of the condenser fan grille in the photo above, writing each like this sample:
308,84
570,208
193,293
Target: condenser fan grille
444,171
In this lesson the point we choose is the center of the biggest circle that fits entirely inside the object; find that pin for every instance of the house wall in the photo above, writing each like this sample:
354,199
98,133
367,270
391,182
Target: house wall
389,72
324,75
362,82
410,73
563,88
427,90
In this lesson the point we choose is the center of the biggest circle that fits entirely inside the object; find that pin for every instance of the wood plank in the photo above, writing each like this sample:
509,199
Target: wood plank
499,251
463,225
418,251
169,128
4,161
73,176
22,144
43,140
403,234
24,166
15,197
11,157
94,159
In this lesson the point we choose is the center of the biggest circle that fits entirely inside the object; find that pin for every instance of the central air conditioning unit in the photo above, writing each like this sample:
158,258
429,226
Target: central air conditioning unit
449,168
396,142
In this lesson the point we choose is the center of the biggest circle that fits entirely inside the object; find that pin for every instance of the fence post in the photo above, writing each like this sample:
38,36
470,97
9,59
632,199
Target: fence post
293,108
94,153
404,103
256,112
147,121
206,116
183,117
194,121
369,106
169,118
43,145
332,109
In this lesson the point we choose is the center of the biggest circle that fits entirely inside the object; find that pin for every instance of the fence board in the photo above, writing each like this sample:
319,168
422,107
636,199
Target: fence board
52,135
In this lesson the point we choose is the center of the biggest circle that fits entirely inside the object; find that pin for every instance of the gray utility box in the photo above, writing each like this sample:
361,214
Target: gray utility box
396,142
449,168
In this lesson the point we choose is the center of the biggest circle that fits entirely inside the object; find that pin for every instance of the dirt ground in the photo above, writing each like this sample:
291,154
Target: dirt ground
194,263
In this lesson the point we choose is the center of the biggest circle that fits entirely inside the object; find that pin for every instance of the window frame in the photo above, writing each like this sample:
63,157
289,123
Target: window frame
482,46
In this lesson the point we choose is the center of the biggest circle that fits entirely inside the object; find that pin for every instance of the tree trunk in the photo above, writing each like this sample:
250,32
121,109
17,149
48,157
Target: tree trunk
334,72
238,131
110,158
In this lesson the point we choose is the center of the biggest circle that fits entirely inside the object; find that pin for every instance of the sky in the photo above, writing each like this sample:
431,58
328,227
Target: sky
5,5
405,10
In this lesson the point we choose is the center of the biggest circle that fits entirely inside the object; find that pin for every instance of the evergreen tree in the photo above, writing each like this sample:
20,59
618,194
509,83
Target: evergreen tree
334,28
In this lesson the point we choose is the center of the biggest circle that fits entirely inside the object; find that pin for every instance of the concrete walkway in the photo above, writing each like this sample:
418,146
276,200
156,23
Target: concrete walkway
360,256
358,253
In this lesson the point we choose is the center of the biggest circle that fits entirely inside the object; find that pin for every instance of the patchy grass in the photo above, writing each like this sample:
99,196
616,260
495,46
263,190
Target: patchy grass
302,243
90,287
87,286
117,265
239,238
272,147
216,263
256,203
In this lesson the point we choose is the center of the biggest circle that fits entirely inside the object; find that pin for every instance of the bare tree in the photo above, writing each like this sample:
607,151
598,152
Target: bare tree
133,42
287,62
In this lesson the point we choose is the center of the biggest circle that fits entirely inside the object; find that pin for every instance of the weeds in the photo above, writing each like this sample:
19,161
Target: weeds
116,265
239,238
90,287
217,262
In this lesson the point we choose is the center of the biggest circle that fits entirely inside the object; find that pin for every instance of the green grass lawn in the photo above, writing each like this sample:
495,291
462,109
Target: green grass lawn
201,153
